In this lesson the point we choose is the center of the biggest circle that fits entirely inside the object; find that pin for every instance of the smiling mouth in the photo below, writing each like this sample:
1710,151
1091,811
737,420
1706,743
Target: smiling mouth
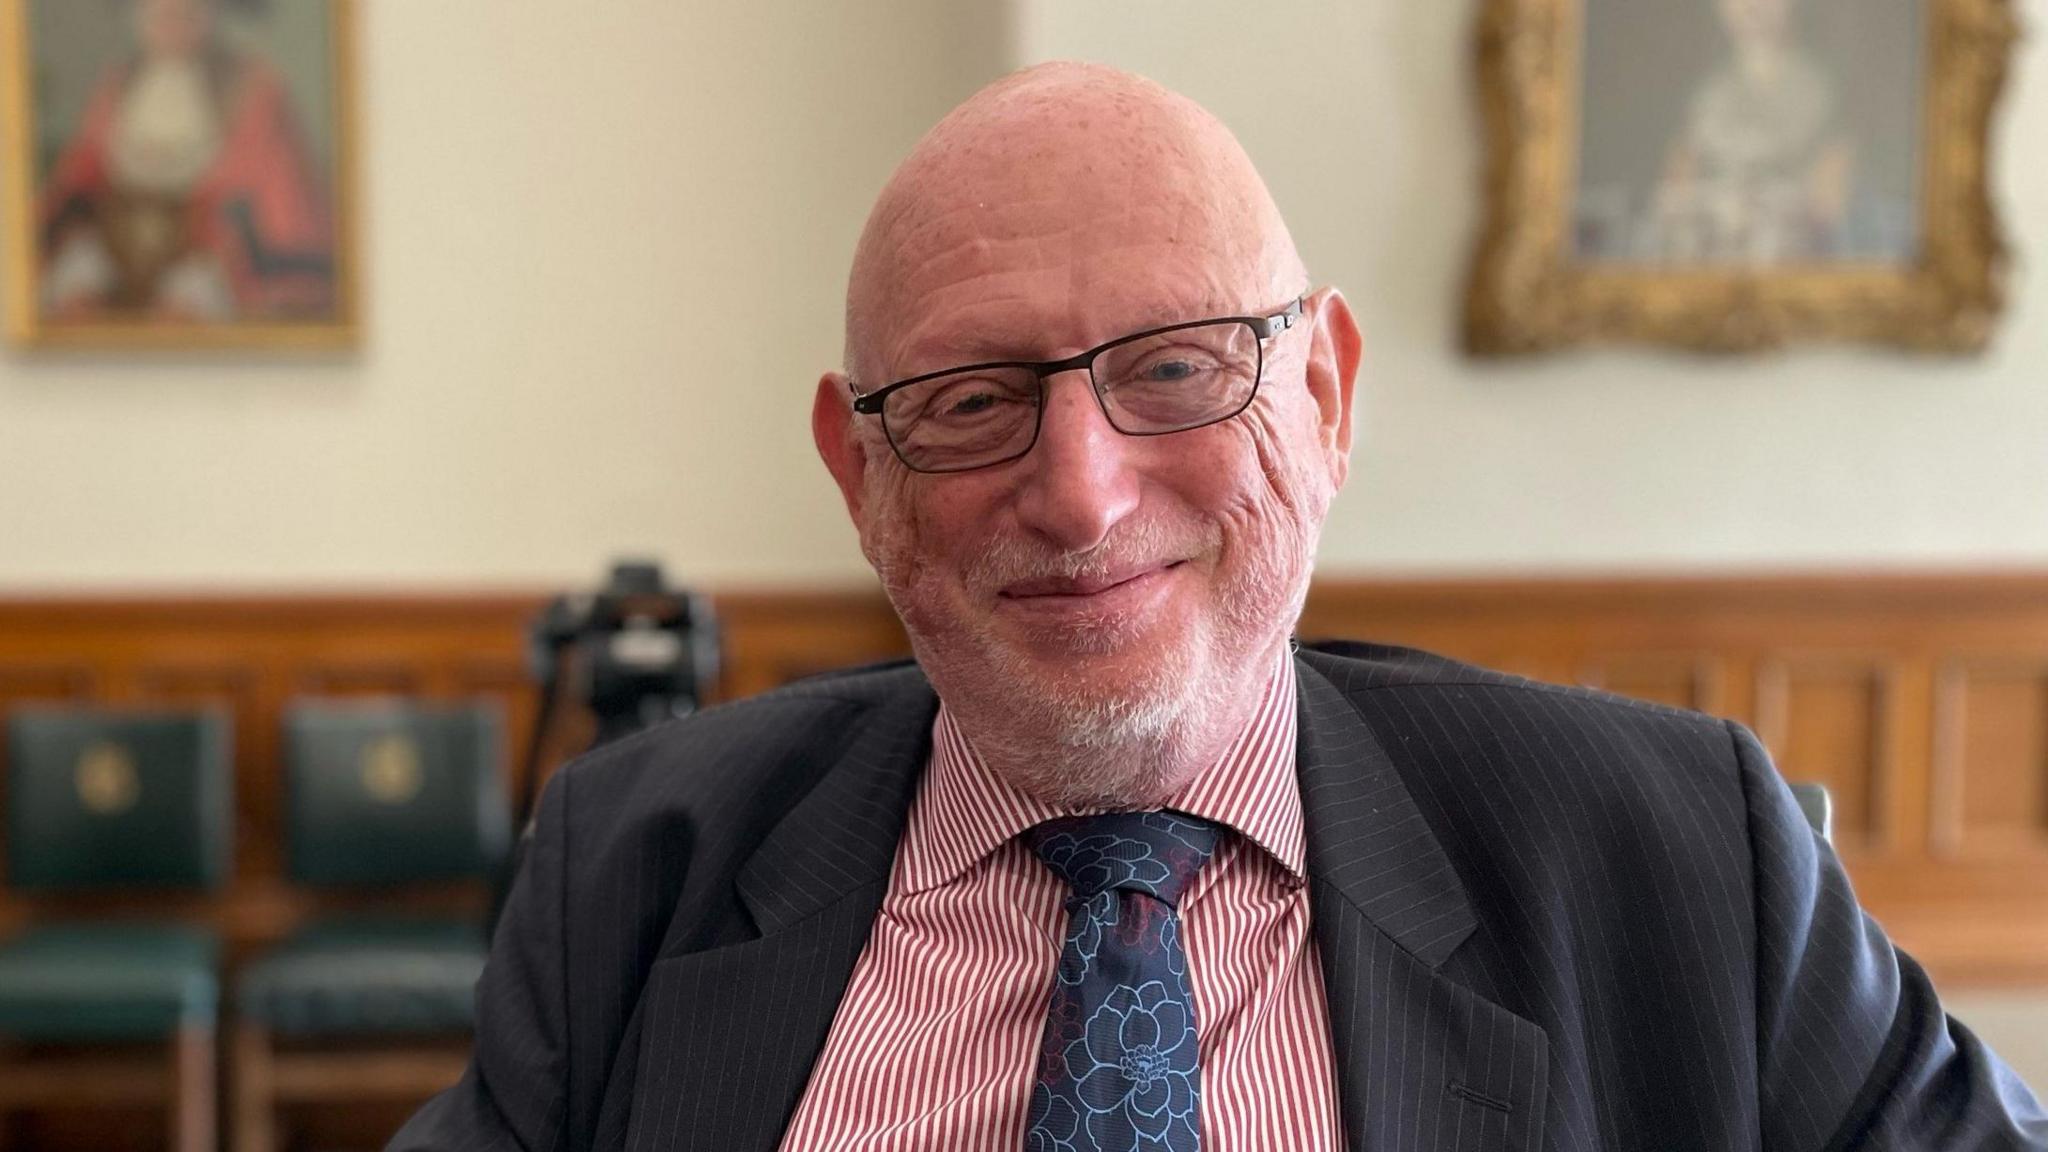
1082,587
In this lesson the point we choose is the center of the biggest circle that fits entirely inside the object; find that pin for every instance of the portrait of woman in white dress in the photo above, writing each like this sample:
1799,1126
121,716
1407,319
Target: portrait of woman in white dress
1765,144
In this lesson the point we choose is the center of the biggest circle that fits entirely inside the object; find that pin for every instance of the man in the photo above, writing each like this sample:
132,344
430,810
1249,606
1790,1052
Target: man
1111,866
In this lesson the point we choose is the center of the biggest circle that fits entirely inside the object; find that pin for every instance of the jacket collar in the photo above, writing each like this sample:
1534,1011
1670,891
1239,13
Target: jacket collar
843,834
1366,837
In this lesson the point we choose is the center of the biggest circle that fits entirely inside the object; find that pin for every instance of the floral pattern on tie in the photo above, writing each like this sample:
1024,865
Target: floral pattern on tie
1119,1071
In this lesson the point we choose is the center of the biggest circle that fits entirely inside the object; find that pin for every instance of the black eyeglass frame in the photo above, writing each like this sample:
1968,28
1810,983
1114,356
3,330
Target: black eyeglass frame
1264,327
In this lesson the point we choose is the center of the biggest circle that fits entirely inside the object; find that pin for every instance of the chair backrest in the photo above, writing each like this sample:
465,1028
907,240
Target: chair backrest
102,797
1818,807
389,793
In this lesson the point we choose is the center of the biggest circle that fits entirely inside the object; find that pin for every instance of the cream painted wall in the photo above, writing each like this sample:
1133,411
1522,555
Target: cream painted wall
607,245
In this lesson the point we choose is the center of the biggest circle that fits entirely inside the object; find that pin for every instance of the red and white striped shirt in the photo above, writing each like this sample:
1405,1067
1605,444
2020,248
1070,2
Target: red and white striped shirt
935,1045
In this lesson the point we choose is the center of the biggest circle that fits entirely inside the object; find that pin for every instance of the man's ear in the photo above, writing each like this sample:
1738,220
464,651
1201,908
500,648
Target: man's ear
1335,350
844,454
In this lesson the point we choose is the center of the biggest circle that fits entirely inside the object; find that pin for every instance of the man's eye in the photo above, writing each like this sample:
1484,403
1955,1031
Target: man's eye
965,399
969,404
1166,370
1173,369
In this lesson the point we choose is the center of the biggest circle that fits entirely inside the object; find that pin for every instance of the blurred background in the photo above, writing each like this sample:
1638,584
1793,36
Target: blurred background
599,256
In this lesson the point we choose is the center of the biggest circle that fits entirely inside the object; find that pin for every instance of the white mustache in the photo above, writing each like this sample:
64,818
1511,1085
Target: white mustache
1007,560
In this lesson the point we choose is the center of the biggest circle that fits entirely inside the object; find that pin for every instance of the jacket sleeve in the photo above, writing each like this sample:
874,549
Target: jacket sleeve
514,1094
1854,1049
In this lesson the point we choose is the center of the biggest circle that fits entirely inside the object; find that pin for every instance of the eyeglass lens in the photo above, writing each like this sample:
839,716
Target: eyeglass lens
1162,382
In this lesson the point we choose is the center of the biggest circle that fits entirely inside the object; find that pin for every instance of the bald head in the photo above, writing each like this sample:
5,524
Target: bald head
1070,167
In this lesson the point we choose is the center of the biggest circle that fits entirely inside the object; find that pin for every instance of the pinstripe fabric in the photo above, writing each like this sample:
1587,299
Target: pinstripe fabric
1546,919
937,1039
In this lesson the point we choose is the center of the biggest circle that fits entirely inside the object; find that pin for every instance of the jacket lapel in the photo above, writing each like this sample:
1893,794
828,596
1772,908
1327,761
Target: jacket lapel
729,1035
1422,1062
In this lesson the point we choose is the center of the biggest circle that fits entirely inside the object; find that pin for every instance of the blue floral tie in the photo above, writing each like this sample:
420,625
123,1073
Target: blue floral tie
1118,1069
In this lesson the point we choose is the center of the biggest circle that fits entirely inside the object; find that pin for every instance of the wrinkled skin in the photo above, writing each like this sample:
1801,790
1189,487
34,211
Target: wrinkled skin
1101,614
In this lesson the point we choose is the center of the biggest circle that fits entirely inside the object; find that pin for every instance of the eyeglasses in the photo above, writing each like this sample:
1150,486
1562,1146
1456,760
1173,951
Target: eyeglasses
1161,380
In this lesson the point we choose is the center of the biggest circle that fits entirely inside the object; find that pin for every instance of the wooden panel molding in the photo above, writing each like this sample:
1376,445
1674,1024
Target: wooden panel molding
1830,716
1990,771
1682,680
1921,700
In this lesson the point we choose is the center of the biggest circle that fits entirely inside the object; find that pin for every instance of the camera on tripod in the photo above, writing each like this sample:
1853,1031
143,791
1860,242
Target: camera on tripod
637,651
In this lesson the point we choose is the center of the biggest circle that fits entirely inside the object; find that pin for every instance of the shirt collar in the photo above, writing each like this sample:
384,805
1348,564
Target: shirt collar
963,811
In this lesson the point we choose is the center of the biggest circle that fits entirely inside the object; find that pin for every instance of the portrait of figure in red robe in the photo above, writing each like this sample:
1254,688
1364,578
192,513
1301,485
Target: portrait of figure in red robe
186,189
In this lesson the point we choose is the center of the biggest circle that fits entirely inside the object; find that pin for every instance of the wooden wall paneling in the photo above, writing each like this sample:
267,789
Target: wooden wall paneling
1681,679
1826,719
1909,771
1990,780
1549,667
1923,700
382,678
1737,681
40,682
506,684
771,639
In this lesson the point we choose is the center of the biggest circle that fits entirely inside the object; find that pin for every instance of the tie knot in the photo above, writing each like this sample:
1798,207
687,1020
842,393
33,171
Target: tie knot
1156,853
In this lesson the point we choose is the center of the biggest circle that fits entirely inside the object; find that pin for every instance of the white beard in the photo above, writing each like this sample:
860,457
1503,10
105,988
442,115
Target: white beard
1068,737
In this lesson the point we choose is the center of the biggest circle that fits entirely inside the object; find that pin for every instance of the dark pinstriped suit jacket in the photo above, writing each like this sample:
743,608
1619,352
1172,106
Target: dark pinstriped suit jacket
1549,919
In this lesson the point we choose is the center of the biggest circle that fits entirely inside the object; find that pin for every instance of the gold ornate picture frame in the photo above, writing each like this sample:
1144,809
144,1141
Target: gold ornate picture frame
179,173
1679,260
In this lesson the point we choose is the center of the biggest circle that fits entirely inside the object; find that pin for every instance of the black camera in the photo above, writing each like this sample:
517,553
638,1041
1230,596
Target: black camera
635,653
638,651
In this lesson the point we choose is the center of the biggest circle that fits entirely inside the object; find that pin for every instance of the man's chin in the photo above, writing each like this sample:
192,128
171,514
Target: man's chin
1101,673
1096,709
1097,674
1092,648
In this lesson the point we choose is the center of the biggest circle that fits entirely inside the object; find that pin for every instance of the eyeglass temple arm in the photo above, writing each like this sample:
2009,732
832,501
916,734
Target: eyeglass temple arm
1281,321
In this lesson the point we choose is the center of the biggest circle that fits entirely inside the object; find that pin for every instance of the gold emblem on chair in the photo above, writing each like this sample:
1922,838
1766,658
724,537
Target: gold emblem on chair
391,770
106,779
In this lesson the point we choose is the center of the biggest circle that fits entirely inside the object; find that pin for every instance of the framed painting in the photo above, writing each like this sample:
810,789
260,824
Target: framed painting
179,173
1738,175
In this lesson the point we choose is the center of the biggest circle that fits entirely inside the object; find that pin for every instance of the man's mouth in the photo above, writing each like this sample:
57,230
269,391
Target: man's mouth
1079,586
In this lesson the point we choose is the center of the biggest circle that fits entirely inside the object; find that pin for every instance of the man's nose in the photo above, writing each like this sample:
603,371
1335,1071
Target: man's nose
1080,479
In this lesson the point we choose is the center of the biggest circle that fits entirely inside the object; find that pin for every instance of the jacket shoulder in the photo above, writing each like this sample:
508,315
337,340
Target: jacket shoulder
1560,769
1571,817
1357,669
654,828
741,747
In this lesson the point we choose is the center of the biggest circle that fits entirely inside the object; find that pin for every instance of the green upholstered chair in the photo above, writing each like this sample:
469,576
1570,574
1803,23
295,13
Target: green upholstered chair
103,800
378,796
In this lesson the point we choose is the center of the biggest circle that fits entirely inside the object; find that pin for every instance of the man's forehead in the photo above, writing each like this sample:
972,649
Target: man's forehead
1066,177
1068,192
